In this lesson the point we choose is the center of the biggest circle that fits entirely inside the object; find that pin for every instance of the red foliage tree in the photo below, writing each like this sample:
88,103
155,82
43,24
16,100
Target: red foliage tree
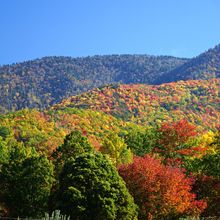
159,190
174,142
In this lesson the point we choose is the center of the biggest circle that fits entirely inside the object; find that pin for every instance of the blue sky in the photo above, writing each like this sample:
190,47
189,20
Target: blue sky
36,28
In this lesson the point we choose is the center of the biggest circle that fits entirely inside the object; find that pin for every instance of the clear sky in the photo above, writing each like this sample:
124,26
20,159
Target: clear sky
36,28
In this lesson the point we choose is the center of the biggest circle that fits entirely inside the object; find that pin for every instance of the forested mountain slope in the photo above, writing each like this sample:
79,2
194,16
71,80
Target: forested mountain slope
196,100
204,66
43,82
176,156
46,130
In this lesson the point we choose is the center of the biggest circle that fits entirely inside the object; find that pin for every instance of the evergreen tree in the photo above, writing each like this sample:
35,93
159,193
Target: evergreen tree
90,188
74,144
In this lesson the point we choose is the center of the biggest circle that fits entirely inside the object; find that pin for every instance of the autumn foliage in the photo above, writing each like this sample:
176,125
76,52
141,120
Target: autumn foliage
176,141
195,100
160,190
175,134
160,187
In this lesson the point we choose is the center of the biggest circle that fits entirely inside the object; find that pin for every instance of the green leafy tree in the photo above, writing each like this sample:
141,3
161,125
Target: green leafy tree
90,188
74,145
208,165
140,140
116,149
4,156
27,180
207,188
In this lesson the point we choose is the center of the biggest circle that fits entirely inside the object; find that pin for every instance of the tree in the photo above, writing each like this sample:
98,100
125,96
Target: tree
27,180
177,141
208,165
116,149
160,191
90,188
207,184
74,145
141,141
4,156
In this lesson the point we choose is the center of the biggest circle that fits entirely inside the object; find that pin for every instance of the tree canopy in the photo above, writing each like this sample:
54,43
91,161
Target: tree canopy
90,188
26,181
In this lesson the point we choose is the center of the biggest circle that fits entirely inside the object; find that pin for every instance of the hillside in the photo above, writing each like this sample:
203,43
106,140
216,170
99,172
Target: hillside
67,134
44,82
115,109
197,100
46,130
41,83
204,66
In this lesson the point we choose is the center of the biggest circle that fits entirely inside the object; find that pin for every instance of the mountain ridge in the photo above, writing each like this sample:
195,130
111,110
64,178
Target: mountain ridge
203,66
41,83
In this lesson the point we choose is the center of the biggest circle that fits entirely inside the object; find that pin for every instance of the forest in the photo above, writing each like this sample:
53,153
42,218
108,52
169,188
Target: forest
75,148
95,156
110,110
41,83
196,100
204,66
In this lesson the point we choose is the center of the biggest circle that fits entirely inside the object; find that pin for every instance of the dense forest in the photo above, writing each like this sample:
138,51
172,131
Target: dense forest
43,82
96,155
196,100
128,150
204,66
94,169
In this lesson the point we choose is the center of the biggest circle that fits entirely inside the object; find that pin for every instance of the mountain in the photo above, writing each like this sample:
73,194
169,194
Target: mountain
196,100
100,111
204,66
43,82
